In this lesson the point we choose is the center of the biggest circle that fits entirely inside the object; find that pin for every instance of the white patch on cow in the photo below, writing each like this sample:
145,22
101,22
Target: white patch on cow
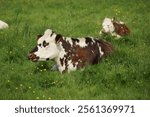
60,67
69,40
107,26
51,50
47,37
71,67
101,52
93,41
121,22
116,35
82,42
48,32
3,25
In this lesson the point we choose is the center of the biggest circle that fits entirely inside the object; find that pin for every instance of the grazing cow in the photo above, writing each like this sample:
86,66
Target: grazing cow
3,25
114,27
69,53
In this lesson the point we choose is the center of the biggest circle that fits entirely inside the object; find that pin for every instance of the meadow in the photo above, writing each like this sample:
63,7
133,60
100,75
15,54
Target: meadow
123,75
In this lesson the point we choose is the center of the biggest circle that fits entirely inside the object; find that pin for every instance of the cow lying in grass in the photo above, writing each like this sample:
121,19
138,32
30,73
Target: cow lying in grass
114,27
69,53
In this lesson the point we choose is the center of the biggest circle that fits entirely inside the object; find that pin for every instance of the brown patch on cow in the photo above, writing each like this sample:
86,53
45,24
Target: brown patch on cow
74,41
33,57
88,40
45,43
61,61
58,38
121,29
89,55
83,56
52,33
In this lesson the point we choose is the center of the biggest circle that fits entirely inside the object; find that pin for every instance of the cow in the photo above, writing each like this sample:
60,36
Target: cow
114,27
3,24
69,53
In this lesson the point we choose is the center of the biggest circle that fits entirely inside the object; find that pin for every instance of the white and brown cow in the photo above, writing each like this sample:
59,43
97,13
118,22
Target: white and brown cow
69,53
114,27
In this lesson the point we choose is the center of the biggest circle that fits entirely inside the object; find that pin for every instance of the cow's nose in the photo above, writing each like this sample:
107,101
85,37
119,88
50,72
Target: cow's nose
32,56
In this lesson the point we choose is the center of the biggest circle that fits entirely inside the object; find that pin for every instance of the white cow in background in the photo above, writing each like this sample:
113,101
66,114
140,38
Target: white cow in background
3,25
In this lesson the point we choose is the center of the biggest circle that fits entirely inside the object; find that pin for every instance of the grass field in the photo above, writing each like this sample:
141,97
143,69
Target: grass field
123,75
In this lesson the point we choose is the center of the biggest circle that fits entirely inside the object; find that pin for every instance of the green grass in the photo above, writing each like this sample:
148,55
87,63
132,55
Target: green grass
123,75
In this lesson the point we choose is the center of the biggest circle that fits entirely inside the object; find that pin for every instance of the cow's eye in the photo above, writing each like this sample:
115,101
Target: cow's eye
39,45
45,44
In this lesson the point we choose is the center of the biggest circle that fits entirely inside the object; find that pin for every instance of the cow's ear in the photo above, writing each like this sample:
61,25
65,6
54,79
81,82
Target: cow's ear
58,38
113,19
38,36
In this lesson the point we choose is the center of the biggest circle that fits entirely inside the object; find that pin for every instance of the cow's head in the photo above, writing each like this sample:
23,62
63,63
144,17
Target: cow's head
107,26
47,47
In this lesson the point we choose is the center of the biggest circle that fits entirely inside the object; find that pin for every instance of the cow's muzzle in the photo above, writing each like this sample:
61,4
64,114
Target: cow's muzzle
33,57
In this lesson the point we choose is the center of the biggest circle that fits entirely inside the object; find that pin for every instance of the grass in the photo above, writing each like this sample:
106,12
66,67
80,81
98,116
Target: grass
123,75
